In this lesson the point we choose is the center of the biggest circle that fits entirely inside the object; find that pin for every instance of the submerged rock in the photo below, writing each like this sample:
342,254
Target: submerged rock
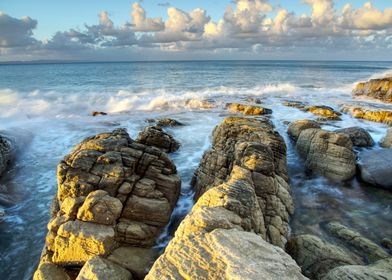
376,167
257,147
296,127
97,113
112,192
382,116
155,136
5,153
328,153
248,109
381,270
380,89
358,135
222,238
295,104
98,268
167,122
386,142
366,248
315,256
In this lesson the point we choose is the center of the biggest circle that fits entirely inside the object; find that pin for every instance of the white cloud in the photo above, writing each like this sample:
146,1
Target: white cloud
16,32
142,23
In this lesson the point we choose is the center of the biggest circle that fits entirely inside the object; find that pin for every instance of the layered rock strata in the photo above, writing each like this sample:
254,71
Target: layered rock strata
380,89
375,115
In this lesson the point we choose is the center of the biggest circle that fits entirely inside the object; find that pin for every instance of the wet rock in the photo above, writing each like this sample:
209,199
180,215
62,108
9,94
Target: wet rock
167,122
376,167
136,260
387,243
380,89
328,153
382,116
381,270
101,269
364,247
295,104
253,100
5,153
359,136
200,104
49,271
155,136
256,146
112,192
315,256
296,127
386,142
248,109
222,239
324,111
97,113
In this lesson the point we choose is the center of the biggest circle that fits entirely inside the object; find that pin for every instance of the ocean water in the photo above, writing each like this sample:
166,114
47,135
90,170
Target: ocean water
46,108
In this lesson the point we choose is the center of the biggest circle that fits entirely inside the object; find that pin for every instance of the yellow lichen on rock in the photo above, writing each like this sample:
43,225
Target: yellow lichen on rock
248,109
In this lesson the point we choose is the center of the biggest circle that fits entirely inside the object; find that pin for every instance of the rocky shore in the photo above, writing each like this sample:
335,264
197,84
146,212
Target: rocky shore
116,195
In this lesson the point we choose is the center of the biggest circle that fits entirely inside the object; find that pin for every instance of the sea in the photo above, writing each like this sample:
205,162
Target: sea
46,110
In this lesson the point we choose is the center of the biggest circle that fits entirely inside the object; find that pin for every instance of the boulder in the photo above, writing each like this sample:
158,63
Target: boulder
380,89
167,122
296,127
358,135
136,260
112,192
248,109
295,104
315,256
375,115
5,153
386,142
254,145
324,111
328,153
376,167
155,136
381,270
364,247
49,271
222,238
101,269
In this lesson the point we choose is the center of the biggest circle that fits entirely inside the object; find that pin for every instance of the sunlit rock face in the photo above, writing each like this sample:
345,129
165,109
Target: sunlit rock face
113,192
376,88
223,238
248,109
254,145
370,114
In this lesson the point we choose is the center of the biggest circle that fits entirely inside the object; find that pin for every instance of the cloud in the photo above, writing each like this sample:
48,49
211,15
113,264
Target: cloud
142,23
16,32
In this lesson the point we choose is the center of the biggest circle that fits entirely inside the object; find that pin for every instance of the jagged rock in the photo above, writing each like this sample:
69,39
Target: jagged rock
386,142
382,116
222,239
248,109
296,127
315,256
376,167
155,136
165,122
381,270
324,111
5,153
99,207
256,146
328,153
136,260
359,136
97,113
364,247
376,88
98,268
112,192
49,271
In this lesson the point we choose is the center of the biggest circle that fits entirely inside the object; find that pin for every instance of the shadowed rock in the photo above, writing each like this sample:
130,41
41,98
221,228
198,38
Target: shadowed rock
296,127
380,89
386,142
5,153
155,136
358,135
98,268
376,167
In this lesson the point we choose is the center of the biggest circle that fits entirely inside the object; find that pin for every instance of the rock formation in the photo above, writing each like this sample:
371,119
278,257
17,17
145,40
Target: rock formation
386,142
248,109
328,153
382,116
296,127
376,167
222,237
113,192
254,145
155,136
5,153
324,111
315,256
167,122
376,88
359,136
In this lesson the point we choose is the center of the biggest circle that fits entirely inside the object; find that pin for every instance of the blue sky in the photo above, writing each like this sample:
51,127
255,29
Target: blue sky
260,27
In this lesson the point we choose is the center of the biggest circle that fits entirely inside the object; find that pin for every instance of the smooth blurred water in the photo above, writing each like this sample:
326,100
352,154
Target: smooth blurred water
47,108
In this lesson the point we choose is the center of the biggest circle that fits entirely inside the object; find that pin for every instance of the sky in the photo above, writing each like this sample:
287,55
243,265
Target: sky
123,30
